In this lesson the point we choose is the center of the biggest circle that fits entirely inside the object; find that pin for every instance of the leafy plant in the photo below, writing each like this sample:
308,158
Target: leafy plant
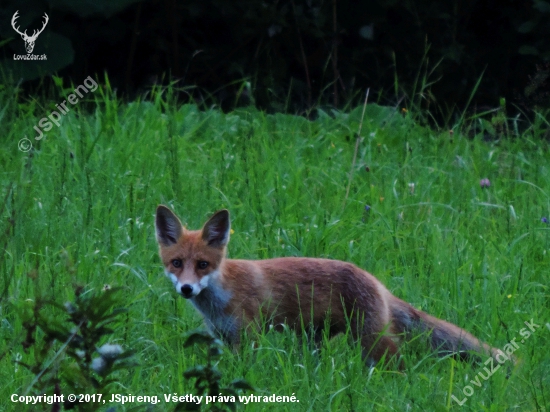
208,378
65,351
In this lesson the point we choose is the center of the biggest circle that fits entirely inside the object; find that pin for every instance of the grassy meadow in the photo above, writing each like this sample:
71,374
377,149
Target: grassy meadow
79,209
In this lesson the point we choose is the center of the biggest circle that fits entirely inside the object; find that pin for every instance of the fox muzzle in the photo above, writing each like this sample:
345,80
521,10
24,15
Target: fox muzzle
187,291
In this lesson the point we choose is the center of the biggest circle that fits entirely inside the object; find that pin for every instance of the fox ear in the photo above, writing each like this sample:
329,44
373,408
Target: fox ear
216,231
168,226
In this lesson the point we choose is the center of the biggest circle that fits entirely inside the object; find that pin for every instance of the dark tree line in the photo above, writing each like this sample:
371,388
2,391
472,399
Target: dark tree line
294,54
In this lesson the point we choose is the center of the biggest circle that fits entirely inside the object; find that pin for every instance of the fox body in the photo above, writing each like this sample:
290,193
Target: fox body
234,294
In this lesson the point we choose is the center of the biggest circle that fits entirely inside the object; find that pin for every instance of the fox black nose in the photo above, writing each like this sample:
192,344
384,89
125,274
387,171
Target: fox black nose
186,290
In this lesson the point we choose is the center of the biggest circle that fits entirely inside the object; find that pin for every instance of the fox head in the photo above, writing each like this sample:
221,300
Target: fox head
191,258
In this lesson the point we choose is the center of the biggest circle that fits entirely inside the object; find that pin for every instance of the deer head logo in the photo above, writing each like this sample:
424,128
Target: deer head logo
29,40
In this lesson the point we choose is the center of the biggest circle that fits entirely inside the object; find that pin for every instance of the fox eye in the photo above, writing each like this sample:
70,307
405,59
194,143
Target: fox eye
202,264
176,263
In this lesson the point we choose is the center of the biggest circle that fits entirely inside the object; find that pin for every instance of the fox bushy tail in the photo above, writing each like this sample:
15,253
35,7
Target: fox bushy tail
444,337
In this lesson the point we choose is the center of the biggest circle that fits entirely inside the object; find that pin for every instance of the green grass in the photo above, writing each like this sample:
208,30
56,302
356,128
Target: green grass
80,207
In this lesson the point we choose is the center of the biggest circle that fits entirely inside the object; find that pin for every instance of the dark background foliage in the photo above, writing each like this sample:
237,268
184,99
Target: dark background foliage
295,54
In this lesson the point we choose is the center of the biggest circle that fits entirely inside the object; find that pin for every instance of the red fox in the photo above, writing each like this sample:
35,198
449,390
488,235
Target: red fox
234,294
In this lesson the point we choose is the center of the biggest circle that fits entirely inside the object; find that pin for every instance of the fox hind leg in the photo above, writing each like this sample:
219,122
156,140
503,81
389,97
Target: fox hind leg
378,347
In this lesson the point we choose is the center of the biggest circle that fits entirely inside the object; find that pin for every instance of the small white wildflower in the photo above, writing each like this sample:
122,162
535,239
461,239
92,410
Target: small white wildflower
69,307
98,364
18,357
109,351
411,188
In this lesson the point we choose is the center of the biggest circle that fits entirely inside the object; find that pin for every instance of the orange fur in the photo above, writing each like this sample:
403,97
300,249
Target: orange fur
233,294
